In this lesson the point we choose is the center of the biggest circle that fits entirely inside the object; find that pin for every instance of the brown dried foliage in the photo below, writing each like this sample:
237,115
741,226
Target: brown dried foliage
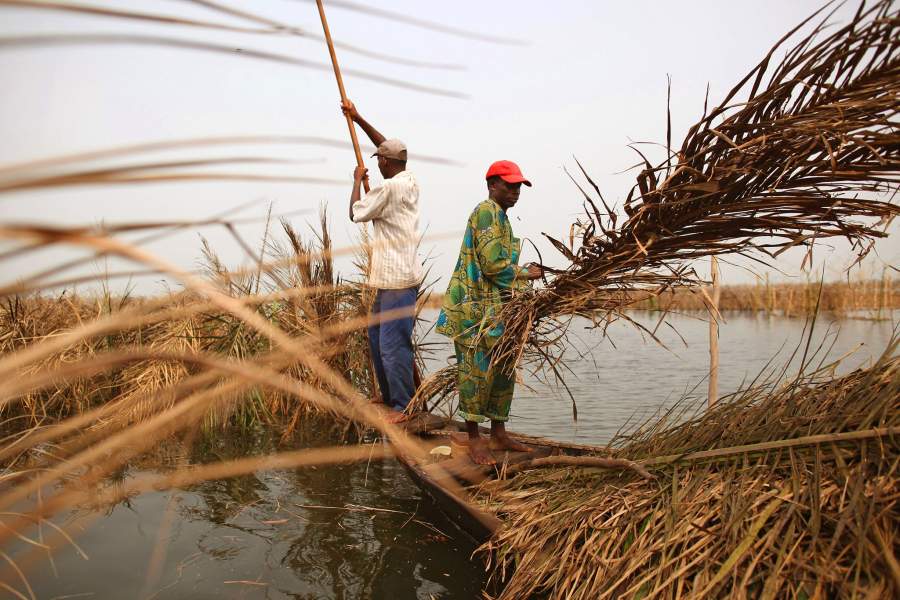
792,516
806,155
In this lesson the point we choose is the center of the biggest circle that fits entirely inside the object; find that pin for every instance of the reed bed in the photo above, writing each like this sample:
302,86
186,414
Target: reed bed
135,388
860,298
87,386
784,491
91,386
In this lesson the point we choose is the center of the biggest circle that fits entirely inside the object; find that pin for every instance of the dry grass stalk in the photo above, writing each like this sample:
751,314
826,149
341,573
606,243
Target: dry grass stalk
270,27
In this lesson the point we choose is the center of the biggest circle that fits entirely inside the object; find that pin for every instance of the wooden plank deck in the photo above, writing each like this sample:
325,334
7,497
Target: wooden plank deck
445,479
467,472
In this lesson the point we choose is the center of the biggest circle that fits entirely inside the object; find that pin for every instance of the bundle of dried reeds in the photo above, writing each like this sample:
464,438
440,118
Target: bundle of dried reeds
806,155
784,493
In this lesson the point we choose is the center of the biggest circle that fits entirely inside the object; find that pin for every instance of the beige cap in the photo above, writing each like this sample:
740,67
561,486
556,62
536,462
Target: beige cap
392,149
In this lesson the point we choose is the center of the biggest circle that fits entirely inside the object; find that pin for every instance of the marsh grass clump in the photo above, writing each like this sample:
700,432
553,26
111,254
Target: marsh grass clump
28,320
784,491
310,301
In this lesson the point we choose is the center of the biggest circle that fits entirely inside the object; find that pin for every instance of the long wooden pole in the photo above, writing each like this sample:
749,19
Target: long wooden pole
417,378
340,83
714,335
373,380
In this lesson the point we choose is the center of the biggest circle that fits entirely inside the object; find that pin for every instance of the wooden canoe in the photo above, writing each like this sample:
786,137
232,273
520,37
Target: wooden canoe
447,478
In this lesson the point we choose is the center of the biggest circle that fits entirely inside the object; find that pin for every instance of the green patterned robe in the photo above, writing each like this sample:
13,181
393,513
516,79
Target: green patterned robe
485,274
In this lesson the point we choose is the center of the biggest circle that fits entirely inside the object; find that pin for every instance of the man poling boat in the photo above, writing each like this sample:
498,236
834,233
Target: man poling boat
395,272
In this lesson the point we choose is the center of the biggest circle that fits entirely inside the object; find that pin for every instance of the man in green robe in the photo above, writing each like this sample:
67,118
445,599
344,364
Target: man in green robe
486,275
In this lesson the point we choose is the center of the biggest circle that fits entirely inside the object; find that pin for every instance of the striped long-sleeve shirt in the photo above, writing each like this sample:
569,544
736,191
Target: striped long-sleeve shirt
393,209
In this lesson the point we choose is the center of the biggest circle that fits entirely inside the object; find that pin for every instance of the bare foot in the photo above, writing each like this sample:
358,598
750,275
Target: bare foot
479,452
504,442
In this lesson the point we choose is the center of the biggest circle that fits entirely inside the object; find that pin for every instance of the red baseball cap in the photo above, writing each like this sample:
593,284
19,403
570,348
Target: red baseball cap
508,172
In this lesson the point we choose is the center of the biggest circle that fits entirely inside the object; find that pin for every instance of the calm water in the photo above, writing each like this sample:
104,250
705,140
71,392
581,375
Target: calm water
365,531
626,376
358,531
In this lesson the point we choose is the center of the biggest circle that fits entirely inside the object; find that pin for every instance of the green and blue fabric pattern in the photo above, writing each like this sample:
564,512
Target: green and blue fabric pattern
484,392
486,273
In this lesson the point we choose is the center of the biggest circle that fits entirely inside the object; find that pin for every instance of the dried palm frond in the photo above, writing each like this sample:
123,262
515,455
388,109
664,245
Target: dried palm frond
807,155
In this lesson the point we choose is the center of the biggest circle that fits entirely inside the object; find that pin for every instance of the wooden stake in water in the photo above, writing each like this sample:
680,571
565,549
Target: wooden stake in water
714,335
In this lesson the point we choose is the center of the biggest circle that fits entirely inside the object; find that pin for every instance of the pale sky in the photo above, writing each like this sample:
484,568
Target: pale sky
589,79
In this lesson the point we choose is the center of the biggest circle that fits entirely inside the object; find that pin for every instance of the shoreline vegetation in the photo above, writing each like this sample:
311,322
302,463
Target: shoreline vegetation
186,325
181,323
859,298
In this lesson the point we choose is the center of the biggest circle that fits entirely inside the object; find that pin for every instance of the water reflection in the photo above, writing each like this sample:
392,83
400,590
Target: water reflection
347,532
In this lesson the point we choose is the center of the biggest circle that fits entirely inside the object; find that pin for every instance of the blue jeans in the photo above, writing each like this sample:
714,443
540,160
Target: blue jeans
390,343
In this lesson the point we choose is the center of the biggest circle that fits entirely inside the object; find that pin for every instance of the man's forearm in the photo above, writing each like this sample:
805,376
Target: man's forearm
354,196
373,133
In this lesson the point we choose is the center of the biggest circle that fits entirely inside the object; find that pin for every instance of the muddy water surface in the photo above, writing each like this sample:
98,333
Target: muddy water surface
359,531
